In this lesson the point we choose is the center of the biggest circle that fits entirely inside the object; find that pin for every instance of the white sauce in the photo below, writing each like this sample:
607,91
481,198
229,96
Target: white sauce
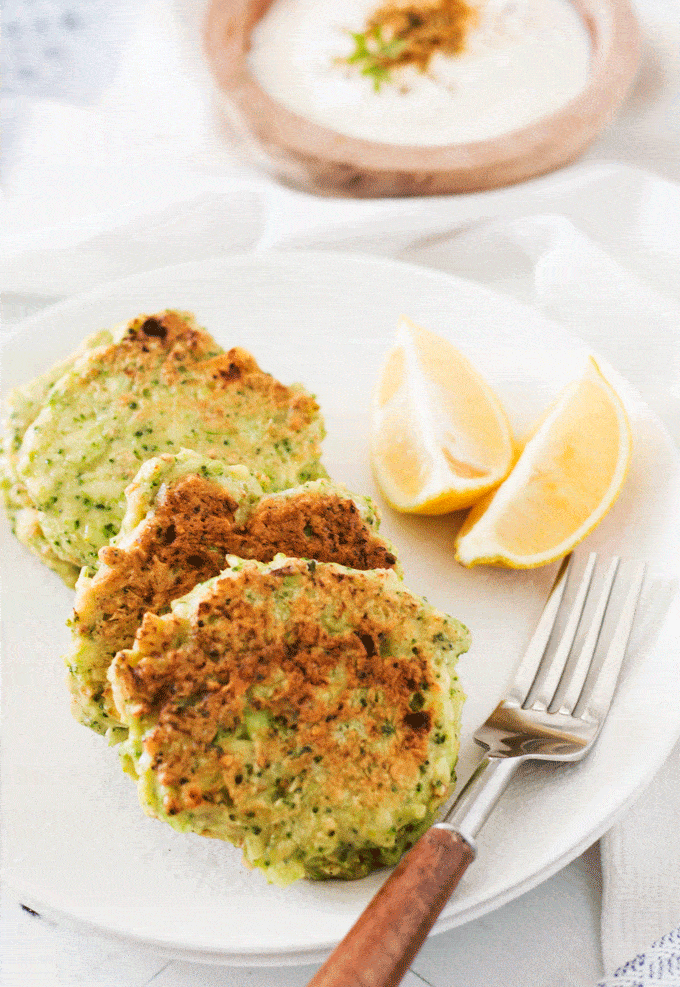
523,60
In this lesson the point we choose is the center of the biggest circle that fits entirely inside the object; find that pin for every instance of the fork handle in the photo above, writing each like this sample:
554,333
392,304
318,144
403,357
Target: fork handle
379,948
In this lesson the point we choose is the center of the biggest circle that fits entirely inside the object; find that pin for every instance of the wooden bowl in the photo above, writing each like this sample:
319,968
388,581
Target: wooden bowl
317,159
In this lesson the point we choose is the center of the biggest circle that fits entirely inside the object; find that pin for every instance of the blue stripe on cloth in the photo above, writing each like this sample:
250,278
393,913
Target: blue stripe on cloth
660,964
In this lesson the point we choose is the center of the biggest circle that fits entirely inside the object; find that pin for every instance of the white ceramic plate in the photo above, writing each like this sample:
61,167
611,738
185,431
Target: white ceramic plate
77,845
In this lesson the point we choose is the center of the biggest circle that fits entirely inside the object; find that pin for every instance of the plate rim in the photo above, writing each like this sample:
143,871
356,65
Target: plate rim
280,253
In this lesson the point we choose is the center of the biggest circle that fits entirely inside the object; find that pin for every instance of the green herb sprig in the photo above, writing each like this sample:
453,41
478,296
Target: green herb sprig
375,55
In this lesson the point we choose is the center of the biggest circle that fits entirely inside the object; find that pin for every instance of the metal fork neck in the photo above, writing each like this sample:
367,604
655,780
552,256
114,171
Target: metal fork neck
478,797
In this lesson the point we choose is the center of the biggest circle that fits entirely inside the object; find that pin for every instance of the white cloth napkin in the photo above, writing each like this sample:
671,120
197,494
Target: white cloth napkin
142,181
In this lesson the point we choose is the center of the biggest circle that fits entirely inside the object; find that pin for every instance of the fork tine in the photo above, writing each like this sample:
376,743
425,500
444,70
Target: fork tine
552,669
600,683
526,673
576,670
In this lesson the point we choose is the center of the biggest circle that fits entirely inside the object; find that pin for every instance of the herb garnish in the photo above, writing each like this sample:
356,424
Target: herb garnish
375,55
410,33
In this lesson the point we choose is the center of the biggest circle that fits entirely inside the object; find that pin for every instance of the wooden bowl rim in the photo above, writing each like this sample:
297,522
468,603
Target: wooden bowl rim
615,49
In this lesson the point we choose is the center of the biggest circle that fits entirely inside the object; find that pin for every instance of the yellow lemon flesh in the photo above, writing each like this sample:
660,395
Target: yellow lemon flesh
440,438
566,479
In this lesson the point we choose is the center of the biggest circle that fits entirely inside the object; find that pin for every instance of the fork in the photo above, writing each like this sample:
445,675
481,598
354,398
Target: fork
553,711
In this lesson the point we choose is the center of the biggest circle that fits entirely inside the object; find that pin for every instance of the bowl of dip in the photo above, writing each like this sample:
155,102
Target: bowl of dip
302,89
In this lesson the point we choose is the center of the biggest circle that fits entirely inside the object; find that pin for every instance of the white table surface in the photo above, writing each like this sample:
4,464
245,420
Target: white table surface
549,937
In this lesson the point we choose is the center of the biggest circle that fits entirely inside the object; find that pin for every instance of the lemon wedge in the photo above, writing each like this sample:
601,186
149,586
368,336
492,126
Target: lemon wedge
568,476
440,438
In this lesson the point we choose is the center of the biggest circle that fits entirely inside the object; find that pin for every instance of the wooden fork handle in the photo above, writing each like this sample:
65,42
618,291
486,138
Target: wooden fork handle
379,948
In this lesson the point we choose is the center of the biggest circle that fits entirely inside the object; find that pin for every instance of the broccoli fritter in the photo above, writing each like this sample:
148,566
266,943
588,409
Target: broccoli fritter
156,385
23,407
185,513
304,711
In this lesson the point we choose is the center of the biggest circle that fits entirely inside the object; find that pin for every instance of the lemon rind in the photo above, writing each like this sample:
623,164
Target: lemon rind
477,530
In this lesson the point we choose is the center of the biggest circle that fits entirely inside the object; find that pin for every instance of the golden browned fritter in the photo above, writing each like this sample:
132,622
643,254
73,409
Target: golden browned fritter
157,385
306,712
185,514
